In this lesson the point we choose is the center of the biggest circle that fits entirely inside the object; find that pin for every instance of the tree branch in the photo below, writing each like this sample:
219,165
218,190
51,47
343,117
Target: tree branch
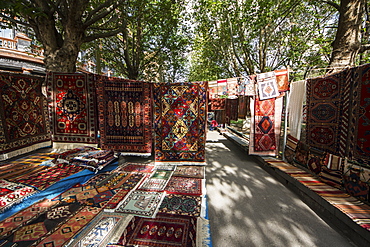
333,4
364,47
102,35
91,19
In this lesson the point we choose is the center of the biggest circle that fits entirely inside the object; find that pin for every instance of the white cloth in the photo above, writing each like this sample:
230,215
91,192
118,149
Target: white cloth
295,107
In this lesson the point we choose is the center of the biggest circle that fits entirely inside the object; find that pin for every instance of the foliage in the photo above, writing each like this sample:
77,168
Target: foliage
63,26
152,44
235,38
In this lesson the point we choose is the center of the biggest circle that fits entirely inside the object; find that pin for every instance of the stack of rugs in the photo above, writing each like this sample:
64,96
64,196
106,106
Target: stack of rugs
116,204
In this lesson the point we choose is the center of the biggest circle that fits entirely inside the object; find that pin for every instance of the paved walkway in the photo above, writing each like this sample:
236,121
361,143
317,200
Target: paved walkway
248,207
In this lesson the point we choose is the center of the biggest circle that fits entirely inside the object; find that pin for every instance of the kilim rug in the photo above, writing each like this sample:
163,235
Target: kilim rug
290,148
180,121
13,193
190,171
220,116
12,223
72,106
115,200
217,104
24,124
168,167
46,178
356,210
186,186
104,228
265,126
267,86
212,89
164,230
301,155
125,115
354,185
232,84
64,234
141,203
157,180
282,79
222,87
42,226
315,160
359,147
328,112
231,110
119,180
135,167
181,205
243,106
247,86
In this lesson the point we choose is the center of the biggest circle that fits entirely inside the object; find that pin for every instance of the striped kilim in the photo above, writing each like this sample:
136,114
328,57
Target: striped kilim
355,209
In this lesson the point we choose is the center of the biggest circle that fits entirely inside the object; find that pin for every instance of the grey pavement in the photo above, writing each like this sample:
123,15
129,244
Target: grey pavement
248,207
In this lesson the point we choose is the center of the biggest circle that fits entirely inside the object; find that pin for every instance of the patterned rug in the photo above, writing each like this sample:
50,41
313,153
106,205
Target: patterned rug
125,115
186,186
24,124
218,104
267,86
243,106
14,222
231,110
105,228
46,178
282,79
190,171
359,147
115,200
135,167
13,193
72,109
265,126
141,203
164,230
43,225
328,112
356,210
181,205
64,234
180,121
157,180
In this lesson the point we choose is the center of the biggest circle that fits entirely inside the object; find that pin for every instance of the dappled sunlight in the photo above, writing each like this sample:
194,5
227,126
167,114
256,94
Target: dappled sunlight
248,207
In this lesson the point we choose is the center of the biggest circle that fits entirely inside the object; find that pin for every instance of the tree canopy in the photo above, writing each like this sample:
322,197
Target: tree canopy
62,26
171,40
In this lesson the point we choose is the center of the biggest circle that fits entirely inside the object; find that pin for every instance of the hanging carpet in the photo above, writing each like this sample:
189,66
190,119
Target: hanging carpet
72,106
265,126
359,139
180,122
24,124
125,115
328,112
231,110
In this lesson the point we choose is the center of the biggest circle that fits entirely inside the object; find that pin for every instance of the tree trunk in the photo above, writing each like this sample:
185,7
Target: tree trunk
62,59
348,37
